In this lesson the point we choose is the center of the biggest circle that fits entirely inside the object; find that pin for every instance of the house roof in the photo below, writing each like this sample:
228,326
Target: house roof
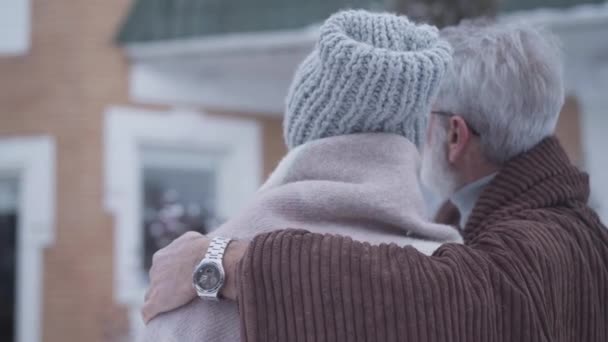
521,5
157,20
163,20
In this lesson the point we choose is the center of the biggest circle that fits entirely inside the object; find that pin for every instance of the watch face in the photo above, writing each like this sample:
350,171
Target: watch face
208,277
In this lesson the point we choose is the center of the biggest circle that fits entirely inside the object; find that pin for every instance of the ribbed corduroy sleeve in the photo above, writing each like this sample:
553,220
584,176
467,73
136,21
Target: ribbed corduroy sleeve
298,286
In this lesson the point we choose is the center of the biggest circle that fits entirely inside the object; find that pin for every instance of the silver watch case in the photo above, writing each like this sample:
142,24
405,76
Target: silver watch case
209,292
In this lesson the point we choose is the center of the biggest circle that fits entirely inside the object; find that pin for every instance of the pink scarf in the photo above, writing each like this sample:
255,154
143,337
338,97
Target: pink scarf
364,186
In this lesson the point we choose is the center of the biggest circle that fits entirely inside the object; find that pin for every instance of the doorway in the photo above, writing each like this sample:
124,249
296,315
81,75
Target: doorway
8,257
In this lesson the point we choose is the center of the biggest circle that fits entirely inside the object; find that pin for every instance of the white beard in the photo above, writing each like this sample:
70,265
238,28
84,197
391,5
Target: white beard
435,170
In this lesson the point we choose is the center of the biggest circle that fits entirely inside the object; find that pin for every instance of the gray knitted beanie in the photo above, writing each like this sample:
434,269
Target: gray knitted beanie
369,72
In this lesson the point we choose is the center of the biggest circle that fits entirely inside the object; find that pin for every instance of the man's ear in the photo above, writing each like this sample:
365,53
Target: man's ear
458,138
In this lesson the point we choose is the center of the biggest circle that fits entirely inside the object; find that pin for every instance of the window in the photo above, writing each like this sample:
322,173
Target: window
167,172
14,27
27,219
179,195
8,256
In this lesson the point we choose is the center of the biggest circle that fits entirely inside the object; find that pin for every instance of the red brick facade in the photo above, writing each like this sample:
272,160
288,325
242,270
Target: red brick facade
60,89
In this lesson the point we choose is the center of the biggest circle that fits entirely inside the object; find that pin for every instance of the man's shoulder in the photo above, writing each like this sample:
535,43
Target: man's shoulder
548,218
543,228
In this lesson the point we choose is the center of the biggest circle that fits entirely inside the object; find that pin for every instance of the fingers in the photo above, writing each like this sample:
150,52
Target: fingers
148,313
149,309
192,235
171,275
188,236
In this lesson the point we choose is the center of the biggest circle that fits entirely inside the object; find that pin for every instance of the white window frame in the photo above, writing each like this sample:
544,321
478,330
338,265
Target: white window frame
15,27
32,161
127,131
593,104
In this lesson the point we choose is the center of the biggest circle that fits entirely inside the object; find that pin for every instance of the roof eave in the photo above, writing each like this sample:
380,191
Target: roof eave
225,44
563,18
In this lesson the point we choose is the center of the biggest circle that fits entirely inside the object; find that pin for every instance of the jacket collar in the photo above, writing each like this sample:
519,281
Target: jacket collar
540,178
466,198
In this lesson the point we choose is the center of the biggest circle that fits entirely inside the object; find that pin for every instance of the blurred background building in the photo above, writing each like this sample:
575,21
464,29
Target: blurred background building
125,123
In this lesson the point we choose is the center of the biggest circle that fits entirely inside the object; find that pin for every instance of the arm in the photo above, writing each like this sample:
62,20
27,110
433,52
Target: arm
319,287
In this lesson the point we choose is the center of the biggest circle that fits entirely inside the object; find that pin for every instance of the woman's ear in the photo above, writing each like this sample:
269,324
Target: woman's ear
458,139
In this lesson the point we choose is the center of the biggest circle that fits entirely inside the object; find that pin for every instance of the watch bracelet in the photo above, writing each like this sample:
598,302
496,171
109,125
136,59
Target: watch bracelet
217,248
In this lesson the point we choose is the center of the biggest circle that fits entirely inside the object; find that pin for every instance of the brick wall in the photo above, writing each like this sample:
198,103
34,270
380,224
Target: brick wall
61,88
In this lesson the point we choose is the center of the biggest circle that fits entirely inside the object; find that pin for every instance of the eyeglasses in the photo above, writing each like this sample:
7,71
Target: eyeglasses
450,114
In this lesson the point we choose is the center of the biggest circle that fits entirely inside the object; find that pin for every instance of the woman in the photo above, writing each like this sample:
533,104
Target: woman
356,114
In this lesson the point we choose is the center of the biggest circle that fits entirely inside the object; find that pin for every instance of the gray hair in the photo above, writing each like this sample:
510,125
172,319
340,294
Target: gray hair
506,81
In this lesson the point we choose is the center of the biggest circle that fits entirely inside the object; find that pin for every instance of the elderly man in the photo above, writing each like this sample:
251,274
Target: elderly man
534,263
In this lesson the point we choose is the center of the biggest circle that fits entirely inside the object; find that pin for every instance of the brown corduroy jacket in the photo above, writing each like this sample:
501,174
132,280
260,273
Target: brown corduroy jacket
534,267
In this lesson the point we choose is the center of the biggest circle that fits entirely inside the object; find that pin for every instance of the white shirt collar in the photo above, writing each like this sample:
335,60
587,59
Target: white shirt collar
466,198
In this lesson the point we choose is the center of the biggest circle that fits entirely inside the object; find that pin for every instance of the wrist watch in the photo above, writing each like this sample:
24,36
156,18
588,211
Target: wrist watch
209,275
